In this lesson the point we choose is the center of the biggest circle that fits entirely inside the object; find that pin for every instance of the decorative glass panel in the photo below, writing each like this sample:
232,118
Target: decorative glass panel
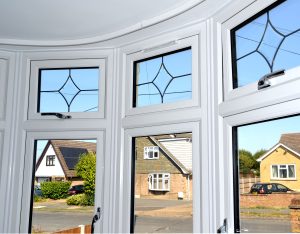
163,79
68,90
267,43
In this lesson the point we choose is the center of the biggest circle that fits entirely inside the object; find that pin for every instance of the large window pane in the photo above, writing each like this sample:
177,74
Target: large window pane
268,160
63,186
267,43
163,79
163,187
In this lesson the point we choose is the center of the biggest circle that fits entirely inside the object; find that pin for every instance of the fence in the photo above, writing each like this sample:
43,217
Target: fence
246,183
81,229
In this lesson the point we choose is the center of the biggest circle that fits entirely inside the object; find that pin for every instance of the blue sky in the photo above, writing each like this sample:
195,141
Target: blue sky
265,135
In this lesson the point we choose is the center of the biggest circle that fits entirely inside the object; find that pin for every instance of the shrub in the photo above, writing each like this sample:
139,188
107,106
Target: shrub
55,190
37,198
75,200
86,169
80,200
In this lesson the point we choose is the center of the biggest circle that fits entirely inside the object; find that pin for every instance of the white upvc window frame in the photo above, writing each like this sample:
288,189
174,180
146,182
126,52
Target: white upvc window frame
282,167
156,50
36,65
283,85
152,177
151,149
247,105
200,169
28,161
271,112
26,131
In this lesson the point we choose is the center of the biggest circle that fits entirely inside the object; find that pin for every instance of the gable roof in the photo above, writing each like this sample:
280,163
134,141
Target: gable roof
289,141
178,149
68,153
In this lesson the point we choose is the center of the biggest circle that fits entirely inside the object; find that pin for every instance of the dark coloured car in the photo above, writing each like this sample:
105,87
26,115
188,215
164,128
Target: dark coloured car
268,188
76,189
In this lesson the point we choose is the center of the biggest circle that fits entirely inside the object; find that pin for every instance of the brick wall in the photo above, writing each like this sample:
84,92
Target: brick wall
273,200
295,214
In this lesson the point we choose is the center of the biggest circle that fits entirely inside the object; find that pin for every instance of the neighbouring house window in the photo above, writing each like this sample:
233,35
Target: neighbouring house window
151,152
50,160
266,43
283,172
159,181
163,79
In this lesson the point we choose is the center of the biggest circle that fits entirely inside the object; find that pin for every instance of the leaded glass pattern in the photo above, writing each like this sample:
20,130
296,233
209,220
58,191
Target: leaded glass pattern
163,79
68,90
267,43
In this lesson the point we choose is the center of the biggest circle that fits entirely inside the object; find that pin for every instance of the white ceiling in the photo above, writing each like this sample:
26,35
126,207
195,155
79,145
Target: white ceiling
57,20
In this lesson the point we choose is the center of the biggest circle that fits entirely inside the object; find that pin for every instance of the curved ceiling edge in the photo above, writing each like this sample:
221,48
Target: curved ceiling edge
143,24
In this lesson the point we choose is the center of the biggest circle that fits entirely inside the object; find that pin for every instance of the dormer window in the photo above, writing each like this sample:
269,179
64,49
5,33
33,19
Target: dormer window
151,152
50,160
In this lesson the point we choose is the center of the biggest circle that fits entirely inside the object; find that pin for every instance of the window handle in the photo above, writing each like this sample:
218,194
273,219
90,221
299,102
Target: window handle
223,228
96,217
264,82
58,115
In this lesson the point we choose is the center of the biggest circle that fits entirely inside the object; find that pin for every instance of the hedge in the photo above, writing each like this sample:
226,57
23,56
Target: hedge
55,190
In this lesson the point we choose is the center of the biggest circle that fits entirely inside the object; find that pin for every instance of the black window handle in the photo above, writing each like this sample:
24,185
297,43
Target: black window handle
96,217
58,115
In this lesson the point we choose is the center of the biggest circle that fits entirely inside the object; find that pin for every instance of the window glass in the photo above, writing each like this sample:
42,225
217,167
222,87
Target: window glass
163,79
266,43
63,186
68,90
266,179
163,188
151,152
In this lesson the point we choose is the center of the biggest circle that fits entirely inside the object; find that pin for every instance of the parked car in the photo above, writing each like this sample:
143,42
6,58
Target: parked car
76,189
37,190
268,188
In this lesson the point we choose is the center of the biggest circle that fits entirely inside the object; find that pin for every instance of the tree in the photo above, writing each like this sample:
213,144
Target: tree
246,161
86,169
257,155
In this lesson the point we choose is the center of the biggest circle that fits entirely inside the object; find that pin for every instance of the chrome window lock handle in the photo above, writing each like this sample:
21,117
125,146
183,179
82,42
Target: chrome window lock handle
96,217
58,115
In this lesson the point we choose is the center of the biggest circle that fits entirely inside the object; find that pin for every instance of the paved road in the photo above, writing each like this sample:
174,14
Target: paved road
260,225
55,221
51,220
148,224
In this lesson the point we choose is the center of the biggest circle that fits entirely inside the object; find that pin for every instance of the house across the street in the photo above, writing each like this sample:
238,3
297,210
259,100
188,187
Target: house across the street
163,167
58,159
281,163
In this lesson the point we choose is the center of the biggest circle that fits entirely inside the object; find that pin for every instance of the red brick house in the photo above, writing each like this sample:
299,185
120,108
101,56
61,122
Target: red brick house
163,167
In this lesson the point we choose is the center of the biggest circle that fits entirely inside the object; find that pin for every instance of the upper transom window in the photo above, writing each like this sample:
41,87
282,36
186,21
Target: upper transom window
75,86
68,90
164,78
267,42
